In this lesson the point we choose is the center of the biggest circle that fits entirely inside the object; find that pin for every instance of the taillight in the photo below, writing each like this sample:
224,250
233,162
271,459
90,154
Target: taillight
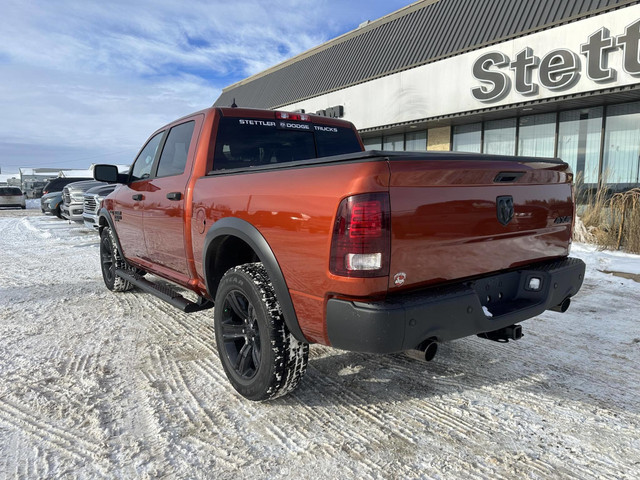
361,242
301,117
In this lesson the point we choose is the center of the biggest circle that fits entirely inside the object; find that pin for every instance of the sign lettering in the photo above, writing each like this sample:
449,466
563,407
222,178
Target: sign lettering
559,69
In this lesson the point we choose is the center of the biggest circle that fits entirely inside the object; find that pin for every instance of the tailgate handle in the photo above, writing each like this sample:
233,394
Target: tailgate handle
137,197
174,196
507,177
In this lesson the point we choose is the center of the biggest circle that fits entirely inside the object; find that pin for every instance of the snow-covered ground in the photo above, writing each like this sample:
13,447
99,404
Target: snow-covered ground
96,384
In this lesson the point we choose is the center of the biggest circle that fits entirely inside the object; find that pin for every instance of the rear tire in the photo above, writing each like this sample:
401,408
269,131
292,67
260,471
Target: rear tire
260,357
110,260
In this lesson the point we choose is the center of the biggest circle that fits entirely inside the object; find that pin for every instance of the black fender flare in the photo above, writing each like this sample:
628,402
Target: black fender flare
104,213
236,227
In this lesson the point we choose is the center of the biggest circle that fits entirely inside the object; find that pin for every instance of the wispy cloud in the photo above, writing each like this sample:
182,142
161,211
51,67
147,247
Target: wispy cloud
95,78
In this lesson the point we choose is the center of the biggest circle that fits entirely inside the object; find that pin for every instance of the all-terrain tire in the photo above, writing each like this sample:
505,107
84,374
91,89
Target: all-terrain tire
260,357
110,260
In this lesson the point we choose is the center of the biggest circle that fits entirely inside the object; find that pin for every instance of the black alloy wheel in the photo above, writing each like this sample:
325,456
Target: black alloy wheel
107,258
110,261
260,357
241,334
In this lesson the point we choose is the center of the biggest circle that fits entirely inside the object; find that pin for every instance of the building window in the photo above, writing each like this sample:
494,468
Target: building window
579,135
467,138
622,145
372,143
394,143
537,135
416,141
500,137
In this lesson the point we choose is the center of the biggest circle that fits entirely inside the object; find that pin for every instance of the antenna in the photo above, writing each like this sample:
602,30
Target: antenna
233,105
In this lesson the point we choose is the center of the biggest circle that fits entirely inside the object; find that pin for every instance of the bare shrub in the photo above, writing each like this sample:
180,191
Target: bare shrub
611,221
625,212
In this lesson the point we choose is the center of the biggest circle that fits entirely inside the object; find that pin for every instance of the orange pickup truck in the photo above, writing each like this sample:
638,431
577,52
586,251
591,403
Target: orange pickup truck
299,236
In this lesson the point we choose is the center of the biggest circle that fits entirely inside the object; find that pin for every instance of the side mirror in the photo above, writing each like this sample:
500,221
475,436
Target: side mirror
107,173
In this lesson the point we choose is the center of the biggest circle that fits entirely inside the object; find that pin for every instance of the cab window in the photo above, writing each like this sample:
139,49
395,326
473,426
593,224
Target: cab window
174,153
142,166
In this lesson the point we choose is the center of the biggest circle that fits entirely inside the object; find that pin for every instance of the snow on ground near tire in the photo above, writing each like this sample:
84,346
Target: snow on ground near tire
97,384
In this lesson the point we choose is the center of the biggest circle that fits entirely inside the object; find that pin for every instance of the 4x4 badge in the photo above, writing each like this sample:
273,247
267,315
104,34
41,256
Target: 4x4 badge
399,278
504,209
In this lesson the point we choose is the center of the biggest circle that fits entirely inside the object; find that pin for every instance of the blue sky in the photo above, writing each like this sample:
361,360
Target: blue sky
88,82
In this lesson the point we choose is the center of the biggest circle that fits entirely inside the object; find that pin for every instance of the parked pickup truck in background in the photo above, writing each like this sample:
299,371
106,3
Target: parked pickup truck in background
92,199
298,236
73,199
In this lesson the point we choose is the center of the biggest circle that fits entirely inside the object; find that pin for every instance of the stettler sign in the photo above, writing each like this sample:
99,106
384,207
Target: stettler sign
588,55
559,69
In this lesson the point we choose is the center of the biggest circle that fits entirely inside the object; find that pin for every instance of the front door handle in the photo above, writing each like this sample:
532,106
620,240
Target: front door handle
174,196
137,197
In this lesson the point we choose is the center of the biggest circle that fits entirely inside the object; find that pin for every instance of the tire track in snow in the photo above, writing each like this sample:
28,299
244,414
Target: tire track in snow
333,422
66,443
524,396
342,440
442,416
181,410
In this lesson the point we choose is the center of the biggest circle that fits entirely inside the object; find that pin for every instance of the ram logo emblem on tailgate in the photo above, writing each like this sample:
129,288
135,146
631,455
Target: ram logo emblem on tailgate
504,209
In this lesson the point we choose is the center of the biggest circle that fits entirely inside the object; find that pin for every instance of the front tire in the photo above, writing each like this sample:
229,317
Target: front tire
110,260
260,357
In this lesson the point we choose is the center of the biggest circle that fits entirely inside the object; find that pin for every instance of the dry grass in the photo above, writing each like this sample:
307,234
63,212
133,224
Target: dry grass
625,209
612,220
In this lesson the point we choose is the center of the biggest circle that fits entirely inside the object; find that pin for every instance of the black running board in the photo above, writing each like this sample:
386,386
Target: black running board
165,293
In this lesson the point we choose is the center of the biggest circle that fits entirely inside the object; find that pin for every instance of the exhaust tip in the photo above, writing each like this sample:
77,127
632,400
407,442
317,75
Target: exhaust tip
425,352
563,307
430,351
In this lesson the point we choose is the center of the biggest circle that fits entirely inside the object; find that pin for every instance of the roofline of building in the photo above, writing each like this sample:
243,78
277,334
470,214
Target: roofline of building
575,18
397,14
335,41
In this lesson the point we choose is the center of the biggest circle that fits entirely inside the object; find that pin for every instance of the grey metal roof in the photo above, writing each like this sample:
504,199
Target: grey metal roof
421,33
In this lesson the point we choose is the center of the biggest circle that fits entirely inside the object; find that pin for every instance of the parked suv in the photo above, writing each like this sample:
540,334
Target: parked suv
92,200
53,203
57,184
73,199
12,197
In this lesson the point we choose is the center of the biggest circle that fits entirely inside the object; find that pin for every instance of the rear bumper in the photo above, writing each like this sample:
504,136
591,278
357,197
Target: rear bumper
403,322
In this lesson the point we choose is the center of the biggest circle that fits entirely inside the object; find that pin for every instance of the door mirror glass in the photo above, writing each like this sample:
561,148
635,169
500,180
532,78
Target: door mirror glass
106,173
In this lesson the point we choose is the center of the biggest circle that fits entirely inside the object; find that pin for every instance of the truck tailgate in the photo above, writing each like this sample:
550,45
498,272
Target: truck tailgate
455,216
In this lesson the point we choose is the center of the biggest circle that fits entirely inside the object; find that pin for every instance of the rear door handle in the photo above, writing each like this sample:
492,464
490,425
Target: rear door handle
137,197
174,196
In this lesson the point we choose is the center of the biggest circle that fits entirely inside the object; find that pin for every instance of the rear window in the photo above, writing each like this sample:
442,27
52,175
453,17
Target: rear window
7,191
247,142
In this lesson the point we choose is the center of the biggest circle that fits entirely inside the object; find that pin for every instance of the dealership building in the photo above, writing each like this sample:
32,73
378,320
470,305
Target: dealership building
550,78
